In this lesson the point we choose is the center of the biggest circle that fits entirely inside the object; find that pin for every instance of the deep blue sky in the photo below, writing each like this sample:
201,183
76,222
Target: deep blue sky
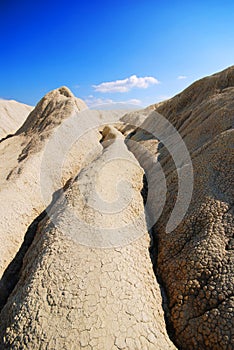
46,44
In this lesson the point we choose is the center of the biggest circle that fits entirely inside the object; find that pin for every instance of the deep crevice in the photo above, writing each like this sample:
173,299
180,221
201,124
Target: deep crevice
13,272
7,137
153,252
153,248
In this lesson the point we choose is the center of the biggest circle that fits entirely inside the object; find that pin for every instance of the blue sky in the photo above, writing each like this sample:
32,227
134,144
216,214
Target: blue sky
145,45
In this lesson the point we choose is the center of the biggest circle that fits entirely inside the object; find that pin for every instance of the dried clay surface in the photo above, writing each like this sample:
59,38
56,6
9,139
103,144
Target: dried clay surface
85,194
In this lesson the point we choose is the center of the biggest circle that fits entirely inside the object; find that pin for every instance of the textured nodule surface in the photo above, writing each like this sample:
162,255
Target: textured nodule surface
195,260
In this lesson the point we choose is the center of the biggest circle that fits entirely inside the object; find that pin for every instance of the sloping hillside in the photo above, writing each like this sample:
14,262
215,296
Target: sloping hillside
117,228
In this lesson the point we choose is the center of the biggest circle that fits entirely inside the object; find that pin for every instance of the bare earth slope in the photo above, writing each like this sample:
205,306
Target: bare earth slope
110,298
12,116
195,260
20,162
76,271
73,296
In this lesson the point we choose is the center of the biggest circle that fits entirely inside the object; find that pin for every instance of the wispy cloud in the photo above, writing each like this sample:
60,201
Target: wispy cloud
94,102
126,85
181,77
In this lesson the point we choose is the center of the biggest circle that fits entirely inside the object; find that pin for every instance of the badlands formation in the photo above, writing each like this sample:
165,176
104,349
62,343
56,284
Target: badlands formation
116,227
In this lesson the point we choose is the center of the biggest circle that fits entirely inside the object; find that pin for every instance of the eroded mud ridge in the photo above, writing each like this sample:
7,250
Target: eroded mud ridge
82,202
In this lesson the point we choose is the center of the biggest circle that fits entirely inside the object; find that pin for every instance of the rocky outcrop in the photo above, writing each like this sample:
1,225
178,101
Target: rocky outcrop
12,116
194,261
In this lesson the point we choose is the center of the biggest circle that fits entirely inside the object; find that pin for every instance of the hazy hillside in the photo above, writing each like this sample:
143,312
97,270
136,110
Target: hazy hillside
12,116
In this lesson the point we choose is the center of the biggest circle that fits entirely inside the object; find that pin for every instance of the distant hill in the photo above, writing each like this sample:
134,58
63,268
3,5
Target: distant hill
12,116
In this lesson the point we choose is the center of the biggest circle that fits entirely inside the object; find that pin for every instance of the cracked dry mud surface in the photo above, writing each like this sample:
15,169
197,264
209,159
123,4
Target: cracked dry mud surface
72,296
195,260
83,278
24,159
20,162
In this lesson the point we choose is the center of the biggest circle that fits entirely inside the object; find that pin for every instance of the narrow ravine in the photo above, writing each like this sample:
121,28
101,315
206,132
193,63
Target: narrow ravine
147,157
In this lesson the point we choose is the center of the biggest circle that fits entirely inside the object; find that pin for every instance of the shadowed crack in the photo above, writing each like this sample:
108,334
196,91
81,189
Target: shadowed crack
13,272
153,249
7,137
153,252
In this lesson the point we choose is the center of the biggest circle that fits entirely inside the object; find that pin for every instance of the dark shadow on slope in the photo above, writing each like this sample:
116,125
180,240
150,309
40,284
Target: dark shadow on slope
148,187
7,137
153,252
13,272
11,275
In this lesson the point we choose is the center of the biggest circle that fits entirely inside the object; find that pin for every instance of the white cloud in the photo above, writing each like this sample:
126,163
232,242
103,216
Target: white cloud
127,84
181,77
94,102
